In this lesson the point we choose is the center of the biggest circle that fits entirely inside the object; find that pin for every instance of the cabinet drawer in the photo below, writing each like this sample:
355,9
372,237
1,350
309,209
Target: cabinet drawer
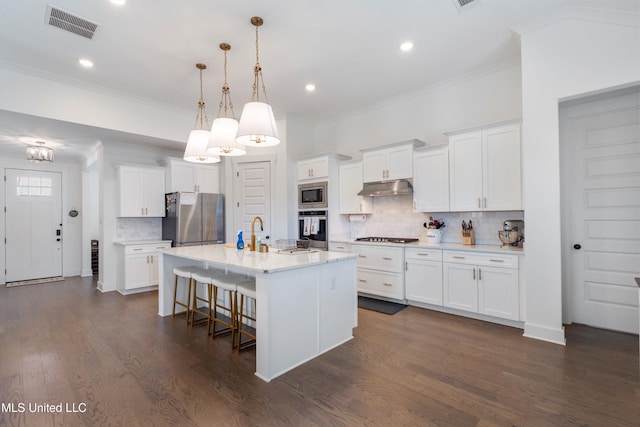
145,249
423,254
339,247
380,258
482,258
382,284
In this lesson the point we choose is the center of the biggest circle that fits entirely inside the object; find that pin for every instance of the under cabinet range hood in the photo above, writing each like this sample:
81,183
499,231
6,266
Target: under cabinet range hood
387,188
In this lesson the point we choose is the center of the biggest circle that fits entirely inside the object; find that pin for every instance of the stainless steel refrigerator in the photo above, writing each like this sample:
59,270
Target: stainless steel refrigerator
193,218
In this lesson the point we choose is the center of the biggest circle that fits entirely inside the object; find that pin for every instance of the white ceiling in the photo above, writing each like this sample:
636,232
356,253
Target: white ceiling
348,49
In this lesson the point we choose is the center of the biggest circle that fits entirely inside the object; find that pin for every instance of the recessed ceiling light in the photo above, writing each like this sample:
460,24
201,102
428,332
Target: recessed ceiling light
85,63
406,46
310,87
118,2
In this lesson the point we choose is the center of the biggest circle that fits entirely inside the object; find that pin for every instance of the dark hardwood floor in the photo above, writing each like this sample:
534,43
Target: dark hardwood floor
66,343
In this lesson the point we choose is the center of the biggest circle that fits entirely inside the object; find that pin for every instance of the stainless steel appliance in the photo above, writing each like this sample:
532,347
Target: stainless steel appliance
313,195
193,218
387,239
512,233
312,226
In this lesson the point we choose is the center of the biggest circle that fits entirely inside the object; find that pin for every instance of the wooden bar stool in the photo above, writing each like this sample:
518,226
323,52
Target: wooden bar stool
205,277
228,284
185,273
246,289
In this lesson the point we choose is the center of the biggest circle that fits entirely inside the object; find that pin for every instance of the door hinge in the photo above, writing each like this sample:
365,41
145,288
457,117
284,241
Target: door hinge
238,174
238,204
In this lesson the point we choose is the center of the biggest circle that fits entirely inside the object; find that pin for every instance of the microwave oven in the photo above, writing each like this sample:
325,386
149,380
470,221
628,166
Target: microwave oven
312,195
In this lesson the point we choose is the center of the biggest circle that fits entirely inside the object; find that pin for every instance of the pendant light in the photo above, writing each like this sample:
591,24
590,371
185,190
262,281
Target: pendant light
39,153
257,127
222,140
196,150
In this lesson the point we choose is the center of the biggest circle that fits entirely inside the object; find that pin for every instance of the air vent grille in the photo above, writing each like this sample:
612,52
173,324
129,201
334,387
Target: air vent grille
463,5
69,22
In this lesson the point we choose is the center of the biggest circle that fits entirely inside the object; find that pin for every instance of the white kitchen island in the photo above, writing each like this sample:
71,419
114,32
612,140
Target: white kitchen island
306,303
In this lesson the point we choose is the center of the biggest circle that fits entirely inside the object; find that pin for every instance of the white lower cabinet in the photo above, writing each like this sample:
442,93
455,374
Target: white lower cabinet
139,267
380,270
423,275
482,283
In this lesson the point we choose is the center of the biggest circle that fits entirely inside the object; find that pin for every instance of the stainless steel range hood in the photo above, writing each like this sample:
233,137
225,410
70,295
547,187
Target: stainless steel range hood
387,188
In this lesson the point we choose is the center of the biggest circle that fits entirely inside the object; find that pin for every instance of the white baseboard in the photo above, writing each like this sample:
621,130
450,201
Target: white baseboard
544,333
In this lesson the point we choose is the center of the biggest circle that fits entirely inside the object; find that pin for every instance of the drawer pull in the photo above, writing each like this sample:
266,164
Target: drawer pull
458,257
137,249
496,260
362,256
362,280
387,284
339,247
387,258
421,254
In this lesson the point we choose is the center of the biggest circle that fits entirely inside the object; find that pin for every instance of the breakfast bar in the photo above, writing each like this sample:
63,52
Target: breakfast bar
306,302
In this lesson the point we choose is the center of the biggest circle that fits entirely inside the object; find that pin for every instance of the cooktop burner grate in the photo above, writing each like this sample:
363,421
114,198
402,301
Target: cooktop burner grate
387,239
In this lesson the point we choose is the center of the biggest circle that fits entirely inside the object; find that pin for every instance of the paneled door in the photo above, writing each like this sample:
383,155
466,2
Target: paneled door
602,170
33,224
252,197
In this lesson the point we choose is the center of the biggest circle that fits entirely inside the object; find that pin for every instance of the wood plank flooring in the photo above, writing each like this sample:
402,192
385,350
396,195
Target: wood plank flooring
66,343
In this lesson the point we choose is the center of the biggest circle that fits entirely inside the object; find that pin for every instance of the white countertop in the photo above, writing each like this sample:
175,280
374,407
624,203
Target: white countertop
140,242
264,262
447,246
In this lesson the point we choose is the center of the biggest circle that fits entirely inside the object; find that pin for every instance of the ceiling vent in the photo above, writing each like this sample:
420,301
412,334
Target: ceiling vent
69,22
464,5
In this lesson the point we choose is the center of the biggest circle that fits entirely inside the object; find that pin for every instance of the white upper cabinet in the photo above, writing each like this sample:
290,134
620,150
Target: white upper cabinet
313,168
484,169
141,191
388,163
350,186
191,177
431,179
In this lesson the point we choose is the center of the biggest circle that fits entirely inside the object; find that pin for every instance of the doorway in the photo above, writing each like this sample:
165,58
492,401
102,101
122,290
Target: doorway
252,194
600,157
33,224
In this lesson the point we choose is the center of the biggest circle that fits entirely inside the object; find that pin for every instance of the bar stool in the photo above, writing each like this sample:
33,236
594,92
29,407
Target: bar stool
185,273
228,284
205,277
246,289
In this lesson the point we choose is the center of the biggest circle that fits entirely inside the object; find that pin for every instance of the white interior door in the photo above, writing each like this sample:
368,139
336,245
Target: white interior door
602,158
252,192
33,226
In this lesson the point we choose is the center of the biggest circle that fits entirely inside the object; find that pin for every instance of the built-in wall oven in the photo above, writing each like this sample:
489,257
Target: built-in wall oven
312,225
313,195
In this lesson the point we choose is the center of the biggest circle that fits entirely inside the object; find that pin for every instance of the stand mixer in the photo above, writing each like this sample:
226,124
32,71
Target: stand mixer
512,233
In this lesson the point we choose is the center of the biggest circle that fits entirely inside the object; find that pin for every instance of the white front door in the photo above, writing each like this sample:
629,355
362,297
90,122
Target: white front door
602,159
252,193
33,226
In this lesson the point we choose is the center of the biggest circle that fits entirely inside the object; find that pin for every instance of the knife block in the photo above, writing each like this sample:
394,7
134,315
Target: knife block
468,237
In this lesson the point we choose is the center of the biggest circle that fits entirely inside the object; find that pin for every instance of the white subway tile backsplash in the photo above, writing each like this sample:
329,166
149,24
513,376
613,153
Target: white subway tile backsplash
128,229
393,216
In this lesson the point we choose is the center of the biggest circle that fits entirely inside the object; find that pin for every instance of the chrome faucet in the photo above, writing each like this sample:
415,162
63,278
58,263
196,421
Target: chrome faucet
252,245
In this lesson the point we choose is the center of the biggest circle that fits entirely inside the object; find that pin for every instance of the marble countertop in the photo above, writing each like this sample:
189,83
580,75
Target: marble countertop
140,242
446,246
263,262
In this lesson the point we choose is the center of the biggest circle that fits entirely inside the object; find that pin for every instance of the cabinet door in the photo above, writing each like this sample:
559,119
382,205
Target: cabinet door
131,183
502,184
154,193
465,172
379,283
207,179
374,166
154,272
498,292
431,181
303,170
460,286
320,168
350,186
136,271
423,281
400,162
182,177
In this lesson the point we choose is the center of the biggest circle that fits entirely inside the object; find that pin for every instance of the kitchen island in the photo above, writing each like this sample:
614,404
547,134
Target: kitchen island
306,303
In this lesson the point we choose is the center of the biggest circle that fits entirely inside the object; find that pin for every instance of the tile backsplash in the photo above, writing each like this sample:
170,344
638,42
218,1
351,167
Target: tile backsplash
130,229
393,216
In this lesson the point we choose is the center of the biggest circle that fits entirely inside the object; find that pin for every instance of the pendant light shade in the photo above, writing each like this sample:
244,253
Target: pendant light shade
196,150
222,139
257,127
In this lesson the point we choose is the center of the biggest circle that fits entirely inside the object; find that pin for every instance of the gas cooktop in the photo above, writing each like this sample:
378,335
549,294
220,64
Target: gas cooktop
387,239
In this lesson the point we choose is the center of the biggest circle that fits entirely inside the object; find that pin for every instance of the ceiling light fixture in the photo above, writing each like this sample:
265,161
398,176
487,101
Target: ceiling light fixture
198,140
39,153
406,46
222,139
85,62
257,125
310,87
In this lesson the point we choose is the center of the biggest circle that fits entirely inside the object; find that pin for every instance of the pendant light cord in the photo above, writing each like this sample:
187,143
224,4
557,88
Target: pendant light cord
257,73
225,99
202,111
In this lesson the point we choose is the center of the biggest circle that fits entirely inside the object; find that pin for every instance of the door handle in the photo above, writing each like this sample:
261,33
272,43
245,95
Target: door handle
577,246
